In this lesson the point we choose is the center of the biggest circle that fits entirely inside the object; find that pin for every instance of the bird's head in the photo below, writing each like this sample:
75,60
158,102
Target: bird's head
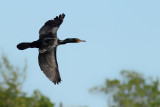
71,40
78,40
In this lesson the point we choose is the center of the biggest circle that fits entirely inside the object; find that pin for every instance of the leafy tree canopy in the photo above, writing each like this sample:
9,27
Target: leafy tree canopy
132,90
11,82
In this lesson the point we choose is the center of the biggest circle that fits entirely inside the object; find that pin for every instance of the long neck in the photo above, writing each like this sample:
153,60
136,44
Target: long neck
68,40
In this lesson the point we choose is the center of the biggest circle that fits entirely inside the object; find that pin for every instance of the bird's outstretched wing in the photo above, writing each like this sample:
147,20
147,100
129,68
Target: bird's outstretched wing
48,64
51,26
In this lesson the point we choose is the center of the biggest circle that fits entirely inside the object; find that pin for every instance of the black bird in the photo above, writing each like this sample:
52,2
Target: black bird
47,44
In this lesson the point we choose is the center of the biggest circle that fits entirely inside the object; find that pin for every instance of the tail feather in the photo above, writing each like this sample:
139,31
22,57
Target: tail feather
23,46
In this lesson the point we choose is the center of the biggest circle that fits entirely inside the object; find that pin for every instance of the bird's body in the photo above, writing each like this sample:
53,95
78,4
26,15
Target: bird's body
47,45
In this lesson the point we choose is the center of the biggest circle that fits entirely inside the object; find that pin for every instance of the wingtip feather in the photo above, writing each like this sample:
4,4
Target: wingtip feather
56,82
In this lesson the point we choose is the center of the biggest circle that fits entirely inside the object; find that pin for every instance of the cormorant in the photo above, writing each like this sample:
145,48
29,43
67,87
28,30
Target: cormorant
47,44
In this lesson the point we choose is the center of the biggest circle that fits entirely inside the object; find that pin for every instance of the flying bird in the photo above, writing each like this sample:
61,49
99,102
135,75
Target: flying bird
47,45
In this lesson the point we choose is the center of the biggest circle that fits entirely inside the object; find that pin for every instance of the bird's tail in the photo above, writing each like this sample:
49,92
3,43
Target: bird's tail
23,45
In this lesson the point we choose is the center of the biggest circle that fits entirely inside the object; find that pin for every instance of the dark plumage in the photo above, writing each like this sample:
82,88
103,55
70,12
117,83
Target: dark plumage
47,45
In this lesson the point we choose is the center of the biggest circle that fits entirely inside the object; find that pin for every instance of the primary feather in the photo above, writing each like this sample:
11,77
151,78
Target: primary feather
51,26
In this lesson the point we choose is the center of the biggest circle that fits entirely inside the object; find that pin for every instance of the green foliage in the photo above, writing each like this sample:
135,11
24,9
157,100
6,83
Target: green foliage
133,90
11,82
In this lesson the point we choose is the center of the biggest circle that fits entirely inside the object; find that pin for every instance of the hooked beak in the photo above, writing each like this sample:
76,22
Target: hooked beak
81,40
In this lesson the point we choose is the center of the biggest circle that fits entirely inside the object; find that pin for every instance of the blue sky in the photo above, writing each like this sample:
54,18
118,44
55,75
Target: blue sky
120,34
